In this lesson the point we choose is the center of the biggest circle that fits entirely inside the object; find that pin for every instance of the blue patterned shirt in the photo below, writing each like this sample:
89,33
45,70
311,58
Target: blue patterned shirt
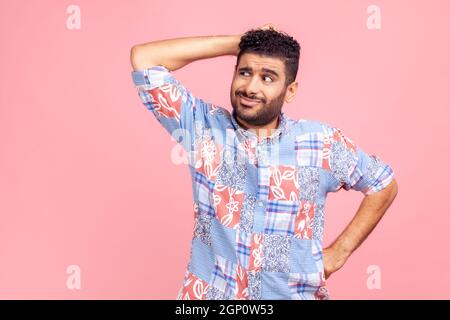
258,204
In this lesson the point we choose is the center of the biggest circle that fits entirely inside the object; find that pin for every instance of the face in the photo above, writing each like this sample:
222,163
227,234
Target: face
258,90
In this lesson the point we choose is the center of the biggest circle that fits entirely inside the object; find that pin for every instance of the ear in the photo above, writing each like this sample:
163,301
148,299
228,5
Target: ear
291,91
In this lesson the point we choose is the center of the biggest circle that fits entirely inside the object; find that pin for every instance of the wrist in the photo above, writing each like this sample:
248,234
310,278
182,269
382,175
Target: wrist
340,251
236,41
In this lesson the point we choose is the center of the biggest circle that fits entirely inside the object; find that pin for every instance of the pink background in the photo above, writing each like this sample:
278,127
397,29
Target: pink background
85,172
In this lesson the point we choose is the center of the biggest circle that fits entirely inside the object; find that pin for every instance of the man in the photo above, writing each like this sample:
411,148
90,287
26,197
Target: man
259,178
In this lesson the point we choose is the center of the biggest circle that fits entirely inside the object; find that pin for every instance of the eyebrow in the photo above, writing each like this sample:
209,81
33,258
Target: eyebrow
263,69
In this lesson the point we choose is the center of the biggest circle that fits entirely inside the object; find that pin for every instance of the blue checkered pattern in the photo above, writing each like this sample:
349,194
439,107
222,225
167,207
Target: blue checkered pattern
281,217
303,286
309,148
370,175
382,179
263,181
224,274
243,243
205,189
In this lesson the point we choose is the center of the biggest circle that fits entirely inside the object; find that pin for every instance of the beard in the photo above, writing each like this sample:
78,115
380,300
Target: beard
261,114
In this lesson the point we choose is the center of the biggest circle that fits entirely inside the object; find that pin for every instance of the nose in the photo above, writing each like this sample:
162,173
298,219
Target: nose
252,87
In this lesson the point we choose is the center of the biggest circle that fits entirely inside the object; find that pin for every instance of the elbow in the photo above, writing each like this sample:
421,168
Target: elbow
140,58
134,54
134,50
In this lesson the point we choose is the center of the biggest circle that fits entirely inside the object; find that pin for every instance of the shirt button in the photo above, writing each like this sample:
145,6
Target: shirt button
260,203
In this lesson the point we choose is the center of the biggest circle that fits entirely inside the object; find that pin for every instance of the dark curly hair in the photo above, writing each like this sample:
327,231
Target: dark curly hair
275,44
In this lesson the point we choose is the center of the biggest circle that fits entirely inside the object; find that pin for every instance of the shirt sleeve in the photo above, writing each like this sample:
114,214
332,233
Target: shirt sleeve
173,105
355,169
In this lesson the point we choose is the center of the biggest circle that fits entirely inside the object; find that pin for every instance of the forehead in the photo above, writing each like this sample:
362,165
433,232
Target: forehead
257,62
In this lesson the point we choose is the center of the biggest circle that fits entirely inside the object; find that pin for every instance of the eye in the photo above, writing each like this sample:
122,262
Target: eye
244,73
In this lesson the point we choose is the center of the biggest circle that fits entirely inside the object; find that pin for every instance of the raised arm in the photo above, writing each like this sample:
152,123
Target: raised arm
176,53
173,105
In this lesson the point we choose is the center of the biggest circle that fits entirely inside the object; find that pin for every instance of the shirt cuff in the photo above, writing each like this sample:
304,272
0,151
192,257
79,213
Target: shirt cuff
151,77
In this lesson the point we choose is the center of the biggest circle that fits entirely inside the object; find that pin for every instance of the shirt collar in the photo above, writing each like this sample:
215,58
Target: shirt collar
248,134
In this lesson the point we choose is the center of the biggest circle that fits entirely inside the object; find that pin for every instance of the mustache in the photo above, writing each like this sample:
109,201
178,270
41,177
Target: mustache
239,94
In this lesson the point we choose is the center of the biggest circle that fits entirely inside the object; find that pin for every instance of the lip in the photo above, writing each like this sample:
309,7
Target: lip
248,103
